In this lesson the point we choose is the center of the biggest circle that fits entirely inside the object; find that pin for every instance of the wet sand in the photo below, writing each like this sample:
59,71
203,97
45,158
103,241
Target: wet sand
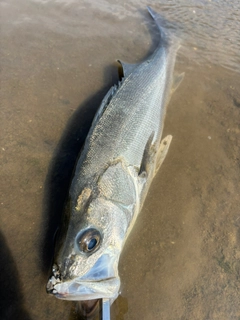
182,259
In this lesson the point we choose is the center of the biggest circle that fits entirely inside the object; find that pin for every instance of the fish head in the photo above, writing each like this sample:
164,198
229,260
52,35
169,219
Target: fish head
86,263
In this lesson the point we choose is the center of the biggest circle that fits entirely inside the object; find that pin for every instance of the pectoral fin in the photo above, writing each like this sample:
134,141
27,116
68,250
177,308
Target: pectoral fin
105,102
148,157
162,151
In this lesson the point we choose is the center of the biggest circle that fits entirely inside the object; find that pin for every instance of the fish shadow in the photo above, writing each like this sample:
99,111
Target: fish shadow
11,296
62,166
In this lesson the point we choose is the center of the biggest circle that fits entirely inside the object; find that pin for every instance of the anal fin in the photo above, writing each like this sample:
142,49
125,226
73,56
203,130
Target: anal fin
177,80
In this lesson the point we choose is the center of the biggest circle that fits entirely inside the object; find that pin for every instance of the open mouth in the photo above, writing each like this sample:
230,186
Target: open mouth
77,289
82,288
101,281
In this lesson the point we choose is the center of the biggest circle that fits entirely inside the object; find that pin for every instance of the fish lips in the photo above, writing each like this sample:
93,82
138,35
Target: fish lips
78,290
101,281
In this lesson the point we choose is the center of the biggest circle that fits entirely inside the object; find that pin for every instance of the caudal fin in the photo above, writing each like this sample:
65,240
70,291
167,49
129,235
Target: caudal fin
166,35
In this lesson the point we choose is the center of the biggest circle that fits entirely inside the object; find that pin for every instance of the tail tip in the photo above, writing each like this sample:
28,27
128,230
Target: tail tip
151,11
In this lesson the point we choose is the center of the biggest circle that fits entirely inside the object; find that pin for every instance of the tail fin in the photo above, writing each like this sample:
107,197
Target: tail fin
153,13
166,35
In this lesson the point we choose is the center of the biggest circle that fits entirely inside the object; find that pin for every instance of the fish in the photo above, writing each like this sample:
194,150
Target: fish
121,155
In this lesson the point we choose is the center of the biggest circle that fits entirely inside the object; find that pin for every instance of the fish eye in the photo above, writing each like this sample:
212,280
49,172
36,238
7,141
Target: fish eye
89,240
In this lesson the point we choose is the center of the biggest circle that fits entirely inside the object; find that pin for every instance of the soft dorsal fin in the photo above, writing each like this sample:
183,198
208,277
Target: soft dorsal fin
151,155
128,68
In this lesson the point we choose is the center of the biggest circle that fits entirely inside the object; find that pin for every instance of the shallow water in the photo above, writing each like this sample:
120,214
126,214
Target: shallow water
182,259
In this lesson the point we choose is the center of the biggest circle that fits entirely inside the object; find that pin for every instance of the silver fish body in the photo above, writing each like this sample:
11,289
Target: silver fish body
121,155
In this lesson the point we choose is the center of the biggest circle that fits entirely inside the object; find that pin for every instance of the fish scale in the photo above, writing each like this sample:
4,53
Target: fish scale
125,124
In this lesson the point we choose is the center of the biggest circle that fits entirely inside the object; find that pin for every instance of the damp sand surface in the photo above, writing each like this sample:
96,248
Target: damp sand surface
182,259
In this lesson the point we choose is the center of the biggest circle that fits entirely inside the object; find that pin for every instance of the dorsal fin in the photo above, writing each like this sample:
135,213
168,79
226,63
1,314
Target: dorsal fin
128,68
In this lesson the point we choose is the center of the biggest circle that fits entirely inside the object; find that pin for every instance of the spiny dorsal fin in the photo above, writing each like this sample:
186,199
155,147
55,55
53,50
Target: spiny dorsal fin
105,102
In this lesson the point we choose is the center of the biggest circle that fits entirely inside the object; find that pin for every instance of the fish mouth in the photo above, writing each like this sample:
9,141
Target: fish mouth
101,281
79,290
